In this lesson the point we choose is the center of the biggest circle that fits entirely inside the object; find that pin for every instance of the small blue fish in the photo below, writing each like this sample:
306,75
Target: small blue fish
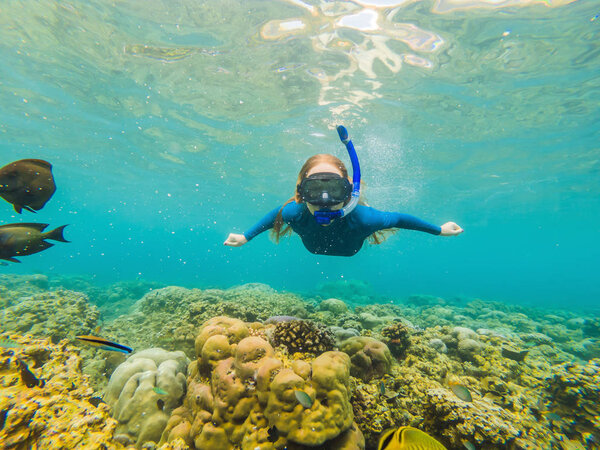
105,344
304,399
595,17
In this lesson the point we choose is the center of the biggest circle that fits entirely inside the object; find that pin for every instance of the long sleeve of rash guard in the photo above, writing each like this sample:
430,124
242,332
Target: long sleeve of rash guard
263,224
375,220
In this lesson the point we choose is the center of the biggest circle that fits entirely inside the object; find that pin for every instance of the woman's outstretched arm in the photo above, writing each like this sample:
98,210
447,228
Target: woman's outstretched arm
376,220
264,224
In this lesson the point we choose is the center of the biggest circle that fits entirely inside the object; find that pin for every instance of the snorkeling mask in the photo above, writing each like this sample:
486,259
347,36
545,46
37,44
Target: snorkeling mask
325,189
328,189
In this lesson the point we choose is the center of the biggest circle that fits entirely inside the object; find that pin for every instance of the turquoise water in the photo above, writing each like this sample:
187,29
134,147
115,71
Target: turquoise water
172,124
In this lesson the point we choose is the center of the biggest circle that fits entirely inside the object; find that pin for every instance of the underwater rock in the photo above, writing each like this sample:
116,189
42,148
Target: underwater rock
591,327
341,334
536,338
369,357
425,300
576,323
438,345
24,285
462,333
586,349
575,394
57,315
369,320
236,395
397,338
144,390
59,414
485,424
514,354
468,348
333,305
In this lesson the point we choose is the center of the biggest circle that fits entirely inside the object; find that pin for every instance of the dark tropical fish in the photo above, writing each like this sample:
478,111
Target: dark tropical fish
9,343
160,403
304,399
95,401
514,354
28,377
381,388
3,414
461,392
159,391
553,416
27,183
273,434
21,239
408,438
105,344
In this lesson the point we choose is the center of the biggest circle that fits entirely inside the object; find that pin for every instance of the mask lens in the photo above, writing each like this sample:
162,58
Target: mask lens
325,189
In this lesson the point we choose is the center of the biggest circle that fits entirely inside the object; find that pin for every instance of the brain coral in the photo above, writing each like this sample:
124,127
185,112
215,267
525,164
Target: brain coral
143,391
241,393
370,357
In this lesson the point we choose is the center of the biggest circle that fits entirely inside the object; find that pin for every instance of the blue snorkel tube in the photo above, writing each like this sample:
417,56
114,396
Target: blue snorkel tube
324,217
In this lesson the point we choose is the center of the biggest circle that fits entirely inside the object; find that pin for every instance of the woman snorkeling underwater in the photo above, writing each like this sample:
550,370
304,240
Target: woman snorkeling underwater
326,214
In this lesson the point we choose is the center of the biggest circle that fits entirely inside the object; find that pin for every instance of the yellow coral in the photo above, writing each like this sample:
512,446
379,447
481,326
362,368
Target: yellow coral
237,395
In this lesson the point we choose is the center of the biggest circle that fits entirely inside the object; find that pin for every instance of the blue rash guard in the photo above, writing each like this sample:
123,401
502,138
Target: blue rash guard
344,236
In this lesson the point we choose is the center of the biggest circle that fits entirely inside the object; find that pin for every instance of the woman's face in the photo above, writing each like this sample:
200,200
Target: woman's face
324,167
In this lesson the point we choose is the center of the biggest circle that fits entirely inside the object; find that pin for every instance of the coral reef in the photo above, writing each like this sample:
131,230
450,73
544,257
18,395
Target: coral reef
143,391
302,336
397,338
575,399
57,314
334,306
241,393
168,318
369,357
57,413
494,375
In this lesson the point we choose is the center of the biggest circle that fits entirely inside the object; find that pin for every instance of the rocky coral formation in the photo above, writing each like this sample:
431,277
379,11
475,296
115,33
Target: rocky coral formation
59,411
333,305
57,314
143,391
370,358
397,338
575,400
241,393
302,336
526,369
168,318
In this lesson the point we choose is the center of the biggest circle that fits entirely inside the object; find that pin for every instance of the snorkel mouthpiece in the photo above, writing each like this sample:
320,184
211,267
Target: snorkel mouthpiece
324,217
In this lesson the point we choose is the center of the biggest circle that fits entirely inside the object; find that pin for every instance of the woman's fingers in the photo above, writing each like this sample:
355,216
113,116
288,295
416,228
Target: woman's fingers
451,229
235,240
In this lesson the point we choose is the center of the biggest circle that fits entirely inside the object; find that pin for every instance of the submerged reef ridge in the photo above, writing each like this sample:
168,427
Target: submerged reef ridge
493,375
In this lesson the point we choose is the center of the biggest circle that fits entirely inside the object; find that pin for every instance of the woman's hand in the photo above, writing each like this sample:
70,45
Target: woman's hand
235,240
450,229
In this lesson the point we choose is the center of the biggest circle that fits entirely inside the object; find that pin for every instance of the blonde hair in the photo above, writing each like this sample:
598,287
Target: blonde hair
279,230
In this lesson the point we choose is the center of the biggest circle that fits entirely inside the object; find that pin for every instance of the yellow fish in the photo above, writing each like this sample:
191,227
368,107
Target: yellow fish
408,438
